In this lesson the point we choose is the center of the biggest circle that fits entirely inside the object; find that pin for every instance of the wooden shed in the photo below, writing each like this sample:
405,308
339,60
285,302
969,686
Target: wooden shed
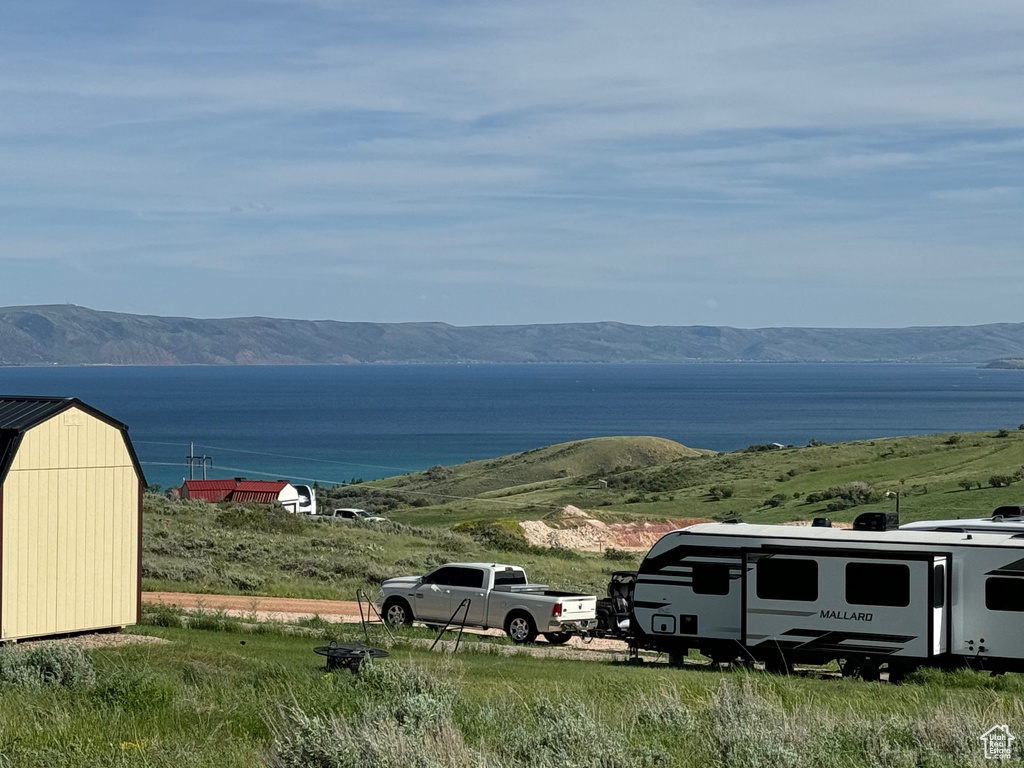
70,519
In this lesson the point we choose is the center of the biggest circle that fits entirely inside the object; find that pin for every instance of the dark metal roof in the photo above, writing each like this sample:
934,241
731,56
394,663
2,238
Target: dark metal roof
21,413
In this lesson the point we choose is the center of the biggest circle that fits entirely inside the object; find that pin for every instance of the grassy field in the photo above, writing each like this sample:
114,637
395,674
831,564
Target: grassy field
222,693
200,547
258,697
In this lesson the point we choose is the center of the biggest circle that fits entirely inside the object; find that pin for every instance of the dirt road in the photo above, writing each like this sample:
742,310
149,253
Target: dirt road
264,608
291,609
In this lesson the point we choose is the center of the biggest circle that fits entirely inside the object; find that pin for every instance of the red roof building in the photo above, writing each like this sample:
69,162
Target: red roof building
240,489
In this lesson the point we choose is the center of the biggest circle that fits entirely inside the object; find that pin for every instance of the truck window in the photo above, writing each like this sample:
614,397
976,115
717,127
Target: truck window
779,579
710,578
878,584
444,575
509,577
468,577
1004,593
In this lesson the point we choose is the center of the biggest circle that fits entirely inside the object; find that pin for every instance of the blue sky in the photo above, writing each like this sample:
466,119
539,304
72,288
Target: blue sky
663,163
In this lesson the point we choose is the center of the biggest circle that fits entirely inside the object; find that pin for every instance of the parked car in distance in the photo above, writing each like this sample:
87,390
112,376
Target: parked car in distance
347,515
498,596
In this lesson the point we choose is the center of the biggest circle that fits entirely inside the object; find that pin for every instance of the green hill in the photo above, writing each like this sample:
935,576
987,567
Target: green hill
936,476
563,461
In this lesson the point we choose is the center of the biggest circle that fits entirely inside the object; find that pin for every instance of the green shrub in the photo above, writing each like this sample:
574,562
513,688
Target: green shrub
719,492
162,615
245,582
619,555
567,734
195,573
1001,481
501,535
849,495
415,696
664,710
331,741
52,663
134,690
265,518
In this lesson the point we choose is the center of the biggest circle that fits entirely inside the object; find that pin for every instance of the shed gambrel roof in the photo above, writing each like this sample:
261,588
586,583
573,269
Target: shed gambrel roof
20,413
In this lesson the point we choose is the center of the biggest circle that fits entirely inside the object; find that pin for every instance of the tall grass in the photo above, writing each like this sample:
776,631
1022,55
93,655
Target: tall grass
744,722
228,699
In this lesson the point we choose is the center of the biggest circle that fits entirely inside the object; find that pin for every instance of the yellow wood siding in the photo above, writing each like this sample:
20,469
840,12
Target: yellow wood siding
70,530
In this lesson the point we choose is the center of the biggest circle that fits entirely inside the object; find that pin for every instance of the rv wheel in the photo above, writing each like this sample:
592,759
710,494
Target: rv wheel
778,666
864,671
871,674
898,674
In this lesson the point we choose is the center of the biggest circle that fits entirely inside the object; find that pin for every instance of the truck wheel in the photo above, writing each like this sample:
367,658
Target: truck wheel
558,638
397,613
520,628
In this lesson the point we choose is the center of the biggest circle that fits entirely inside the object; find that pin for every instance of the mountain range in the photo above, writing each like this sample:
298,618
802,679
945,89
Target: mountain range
65,334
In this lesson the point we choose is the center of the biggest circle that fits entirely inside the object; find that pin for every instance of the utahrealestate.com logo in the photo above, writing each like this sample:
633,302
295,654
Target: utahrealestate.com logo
998,742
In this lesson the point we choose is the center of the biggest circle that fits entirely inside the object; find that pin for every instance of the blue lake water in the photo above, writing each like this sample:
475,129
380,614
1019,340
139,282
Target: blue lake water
333,423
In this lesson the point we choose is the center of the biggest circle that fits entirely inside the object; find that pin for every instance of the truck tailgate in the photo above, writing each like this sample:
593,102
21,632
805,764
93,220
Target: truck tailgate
578,607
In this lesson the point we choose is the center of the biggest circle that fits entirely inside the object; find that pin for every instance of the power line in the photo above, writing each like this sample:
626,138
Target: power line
282,456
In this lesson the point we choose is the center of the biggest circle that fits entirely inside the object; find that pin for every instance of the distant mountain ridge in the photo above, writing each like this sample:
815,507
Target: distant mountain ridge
70,335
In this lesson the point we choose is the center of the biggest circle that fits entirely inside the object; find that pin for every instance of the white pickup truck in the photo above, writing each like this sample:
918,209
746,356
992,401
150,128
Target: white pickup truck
499,596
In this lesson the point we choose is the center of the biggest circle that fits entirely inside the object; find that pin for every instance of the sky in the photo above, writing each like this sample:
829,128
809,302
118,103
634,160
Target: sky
724,162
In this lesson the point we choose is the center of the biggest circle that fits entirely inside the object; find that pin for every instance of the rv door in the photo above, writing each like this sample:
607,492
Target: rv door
941,579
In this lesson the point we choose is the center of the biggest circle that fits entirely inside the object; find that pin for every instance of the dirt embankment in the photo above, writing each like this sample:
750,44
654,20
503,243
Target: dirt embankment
576,529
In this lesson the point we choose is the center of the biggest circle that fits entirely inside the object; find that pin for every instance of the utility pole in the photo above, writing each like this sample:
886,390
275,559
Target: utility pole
192,459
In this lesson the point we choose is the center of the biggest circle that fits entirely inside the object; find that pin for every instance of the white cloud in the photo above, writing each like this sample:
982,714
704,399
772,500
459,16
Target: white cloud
979,196
564,147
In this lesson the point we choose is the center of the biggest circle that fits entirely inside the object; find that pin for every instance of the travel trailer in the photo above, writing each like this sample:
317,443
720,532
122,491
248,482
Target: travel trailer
870,597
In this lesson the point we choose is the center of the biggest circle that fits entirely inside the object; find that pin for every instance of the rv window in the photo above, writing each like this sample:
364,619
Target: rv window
1004,593
711,579
787,579
878,584
938,586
